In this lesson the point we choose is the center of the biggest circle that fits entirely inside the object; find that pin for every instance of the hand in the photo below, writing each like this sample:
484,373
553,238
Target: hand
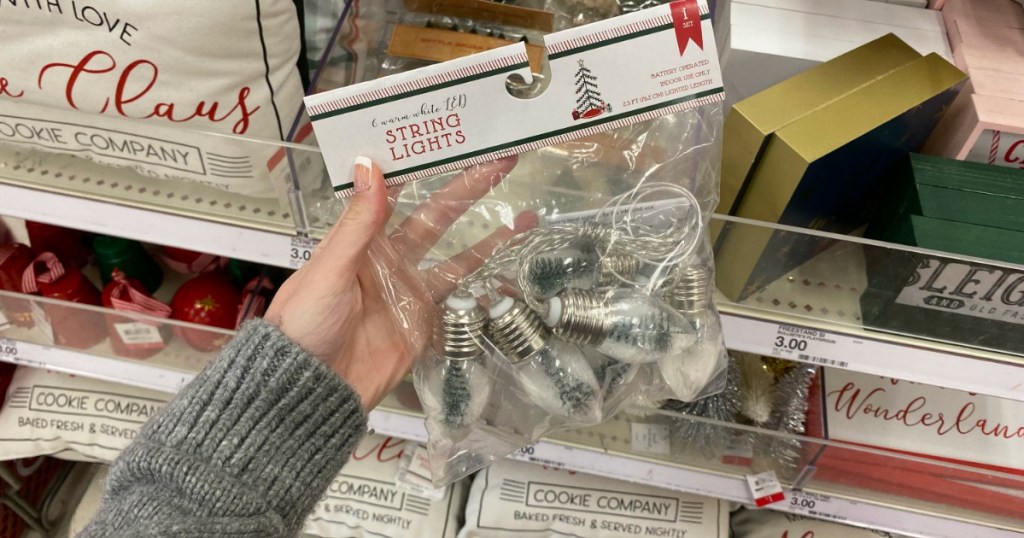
360,304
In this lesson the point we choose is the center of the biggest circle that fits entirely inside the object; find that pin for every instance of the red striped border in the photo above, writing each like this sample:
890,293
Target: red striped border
516,150
555,47
418,84
607,34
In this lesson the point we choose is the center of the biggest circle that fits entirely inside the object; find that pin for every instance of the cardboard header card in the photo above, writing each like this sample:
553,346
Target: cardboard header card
451,115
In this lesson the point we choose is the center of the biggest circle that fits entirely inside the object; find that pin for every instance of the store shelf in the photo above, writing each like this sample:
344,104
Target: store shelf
818,302
606,450
112,218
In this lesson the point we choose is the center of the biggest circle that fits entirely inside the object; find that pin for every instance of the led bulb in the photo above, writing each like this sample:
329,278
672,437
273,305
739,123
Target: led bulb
691,370
454,383
624,324
554,373
552,272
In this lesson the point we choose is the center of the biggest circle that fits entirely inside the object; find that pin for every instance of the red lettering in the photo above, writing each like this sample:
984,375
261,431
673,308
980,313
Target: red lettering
76,71
122,82
5,89
387,450
136,82
1010,157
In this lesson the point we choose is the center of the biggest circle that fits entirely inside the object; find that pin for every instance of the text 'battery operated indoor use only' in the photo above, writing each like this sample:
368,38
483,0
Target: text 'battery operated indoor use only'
607,301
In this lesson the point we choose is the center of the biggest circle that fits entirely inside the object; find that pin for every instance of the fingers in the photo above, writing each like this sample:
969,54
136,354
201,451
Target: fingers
367,211
420,231
445,276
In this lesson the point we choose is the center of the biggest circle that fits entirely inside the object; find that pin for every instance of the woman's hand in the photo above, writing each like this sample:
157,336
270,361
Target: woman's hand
360,304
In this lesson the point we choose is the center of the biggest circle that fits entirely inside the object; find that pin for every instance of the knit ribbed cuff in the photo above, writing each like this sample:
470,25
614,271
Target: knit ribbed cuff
268,414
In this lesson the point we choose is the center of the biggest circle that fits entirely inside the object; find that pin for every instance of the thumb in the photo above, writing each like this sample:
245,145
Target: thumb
366,213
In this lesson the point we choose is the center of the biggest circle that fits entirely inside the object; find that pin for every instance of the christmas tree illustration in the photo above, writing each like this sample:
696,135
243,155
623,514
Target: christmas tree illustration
588,99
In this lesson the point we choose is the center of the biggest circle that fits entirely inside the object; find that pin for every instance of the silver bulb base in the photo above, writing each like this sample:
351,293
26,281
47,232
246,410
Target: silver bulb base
519,333
582,318
458,333
615,267
691,292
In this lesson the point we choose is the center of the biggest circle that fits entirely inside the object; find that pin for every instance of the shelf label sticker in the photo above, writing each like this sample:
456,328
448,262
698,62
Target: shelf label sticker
807,345
300,251
794,342
812,504
140,335
765,488
42,321
650,438
529,454
9,349
3,322
414,475
442,117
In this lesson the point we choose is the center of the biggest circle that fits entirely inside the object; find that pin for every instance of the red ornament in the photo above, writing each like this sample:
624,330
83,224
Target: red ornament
72,326
208,299
189,262
133,337
14,259
70,246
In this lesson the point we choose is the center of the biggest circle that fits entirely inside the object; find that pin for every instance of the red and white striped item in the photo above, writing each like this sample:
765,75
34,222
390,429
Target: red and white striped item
254,301
125,298
54,270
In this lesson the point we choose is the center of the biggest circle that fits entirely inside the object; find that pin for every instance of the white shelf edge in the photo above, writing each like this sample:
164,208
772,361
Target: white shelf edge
877,356
751,335
145,225
127,372
730,488
919,361
545,452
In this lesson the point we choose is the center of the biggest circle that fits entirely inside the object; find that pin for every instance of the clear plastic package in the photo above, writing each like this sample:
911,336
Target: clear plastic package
607,299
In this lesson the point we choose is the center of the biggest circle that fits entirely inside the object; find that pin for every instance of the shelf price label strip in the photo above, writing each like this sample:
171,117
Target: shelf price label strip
870,356
133,373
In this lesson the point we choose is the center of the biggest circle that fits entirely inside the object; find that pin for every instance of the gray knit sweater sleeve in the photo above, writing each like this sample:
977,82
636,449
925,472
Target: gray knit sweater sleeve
246,449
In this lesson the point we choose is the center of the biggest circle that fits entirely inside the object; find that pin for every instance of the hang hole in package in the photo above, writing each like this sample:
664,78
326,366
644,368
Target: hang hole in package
548,257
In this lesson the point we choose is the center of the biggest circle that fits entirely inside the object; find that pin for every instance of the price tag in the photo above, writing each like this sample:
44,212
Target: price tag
42,321
530,454
414,475
812,504
765,488
8,349
300,251
650,438
810,345
3,322
139,335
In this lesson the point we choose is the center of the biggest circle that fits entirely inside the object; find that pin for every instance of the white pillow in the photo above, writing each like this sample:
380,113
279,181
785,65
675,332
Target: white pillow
520,500
105,79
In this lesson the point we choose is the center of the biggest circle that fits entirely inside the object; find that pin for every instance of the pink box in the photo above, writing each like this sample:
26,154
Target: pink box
980,14
981,128
994,44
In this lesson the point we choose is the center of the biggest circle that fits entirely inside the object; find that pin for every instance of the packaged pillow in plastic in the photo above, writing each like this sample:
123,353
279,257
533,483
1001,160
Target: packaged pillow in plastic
548,255
530,501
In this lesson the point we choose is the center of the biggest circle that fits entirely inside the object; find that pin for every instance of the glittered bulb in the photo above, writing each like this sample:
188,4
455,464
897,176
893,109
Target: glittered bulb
453,382
552,272
624,324
554,373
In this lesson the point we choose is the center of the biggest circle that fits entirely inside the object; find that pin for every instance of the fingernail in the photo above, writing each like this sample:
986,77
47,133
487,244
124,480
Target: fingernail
525,221
361,174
